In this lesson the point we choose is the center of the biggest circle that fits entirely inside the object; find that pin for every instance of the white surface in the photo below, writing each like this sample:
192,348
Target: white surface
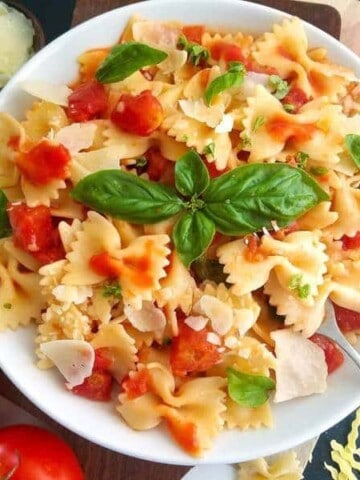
211,472
295,421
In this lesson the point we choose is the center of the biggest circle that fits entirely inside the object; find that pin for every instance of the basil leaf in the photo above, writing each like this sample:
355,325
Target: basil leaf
279,87
126,59
352,142
248,198
196,53
126,196
248,390
209,269
192,235
232,78
5,228
191,175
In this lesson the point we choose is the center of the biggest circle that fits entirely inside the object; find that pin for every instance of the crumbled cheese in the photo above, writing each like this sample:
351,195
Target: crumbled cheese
49,92
219,313
211,337
148,319
226,124
196,322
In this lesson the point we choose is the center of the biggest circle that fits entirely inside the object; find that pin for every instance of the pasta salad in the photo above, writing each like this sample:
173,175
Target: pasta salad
174,221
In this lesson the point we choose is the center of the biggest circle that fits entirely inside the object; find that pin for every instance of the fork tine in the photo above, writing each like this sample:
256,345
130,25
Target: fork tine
330,329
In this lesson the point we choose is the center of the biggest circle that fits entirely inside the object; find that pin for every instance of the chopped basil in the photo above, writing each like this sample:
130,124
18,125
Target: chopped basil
352,142
279,87
112,289
234,77
7,306
319,171
301,159
196,53
259,122
5,228
288,107
210,149
302,290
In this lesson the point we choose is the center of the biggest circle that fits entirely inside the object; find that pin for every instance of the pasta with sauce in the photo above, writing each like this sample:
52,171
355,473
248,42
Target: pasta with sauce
178,223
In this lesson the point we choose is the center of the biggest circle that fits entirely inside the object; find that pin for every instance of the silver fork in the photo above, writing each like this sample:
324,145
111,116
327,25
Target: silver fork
329,328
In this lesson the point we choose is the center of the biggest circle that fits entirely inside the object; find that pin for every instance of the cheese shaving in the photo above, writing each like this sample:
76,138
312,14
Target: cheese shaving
76,137
57,94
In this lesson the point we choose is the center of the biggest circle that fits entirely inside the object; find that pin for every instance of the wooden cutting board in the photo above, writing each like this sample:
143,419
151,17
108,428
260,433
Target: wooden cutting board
100,463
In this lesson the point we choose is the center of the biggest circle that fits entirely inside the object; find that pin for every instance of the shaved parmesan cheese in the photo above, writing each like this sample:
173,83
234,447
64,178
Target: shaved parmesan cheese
73,358
49,92
301,367
196,109
211,337
219,313
76,137
197,323
156,33
226,124
72,294
251,80
148,319
175,60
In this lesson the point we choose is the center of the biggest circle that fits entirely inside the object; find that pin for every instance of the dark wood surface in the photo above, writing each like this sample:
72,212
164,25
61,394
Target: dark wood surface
100,463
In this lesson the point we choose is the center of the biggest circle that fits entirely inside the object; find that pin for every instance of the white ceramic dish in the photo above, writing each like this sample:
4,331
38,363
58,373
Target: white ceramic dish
295,421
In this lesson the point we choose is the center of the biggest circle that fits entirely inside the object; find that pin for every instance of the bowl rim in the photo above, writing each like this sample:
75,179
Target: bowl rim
125,10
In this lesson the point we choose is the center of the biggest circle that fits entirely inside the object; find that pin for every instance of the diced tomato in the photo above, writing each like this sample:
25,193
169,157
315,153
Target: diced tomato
140,114
282,129
34,232
14,142
296,97
281,234
96,387
252,66
137,383
348,243
348,320
157,164
193,33
44,162
87,101
252,252
191,352
333,356
227,51
103,359
184,433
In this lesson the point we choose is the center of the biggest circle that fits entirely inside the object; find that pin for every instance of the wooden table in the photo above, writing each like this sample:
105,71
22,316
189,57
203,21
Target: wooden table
100,463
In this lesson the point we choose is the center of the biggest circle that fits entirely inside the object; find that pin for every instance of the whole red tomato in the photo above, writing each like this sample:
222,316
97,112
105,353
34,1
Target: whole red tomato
32,453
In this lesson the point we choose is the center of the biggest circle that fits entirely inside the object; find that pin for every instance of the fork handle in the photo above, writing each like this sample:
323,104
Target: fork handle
350,351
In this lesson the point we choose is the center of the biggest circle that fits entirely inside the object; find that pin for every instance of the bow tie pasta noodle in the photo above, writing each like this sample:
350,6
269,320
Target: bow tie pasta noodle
183,219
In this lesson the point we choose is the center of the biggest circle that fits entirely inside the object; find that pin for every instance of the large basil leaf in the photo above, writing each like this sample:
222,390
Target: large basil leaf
126,196
352,142
5,228
234,77
127,58
248,198
192,235
191,175
248,390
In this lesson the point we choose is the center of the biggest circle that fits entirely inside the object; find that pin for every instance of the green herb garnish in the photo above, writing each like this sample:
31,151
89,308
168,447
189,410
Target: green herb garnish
196,53
8,306
246,141
112,289
288,107
259,122
352,141
126,59
319,171
303,290
234,77
279,87
210,150
238,202
5,228
208,269
301,159
248,390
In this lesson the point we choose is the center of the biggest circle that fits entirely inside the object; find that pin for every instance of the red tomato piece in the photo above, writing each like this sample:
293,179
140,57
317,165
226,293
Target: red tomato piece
34,232
296,97
191,352
97,386
348,243
42,455
140,114
193,33
227,51
184,434
44,162
103,359
348,320
252,66
213,171
157,164
333,356
137,384
87,101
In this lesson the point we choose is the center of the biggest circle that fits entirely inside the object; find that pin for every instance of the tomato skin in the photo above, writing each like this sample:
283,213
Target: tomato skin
34,232
333,355
43,455
193,33
44,162
97,386
191,352
136,384
348,320
87,101
296,97
348,243
140,114
157,164
227,51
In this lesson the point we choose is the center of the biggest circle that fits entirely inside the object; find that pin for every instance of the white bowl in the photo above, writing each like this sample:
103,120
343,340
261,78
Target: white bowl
295,421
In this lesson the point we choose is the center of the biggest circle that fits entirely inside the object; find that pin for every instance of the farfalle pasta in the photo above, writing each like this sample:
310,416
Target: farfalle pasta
177,219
